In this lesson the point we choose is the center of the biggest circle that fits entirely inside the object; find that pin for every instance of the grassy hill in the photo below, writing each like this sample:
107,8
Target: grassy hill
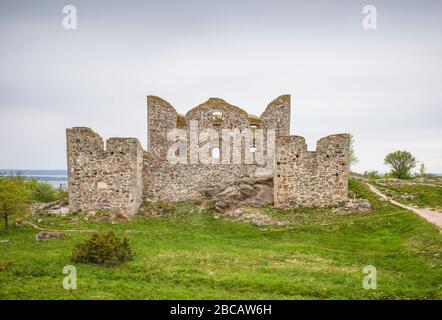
192,253
419,195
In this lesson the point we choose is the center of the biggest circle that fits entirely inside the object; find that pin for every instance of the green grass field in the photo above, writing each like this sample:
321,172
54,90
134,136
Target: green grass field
193,254
423,196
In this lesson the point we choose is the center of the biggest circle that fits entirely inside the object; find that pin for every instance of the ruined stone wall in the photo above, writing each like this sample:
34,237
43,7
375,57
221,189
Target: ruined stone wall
103,179
164,181
119,177
277,116
311,178
161,117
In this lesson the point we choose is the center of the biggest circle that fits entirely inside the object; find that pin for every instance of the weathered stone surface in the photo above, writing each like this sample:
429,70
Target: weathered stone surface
52,208
102,179
264,196
119,177
46,235
354,206
249,191
58,210
222,206
211,191
311,178
164,181
277,116
361,205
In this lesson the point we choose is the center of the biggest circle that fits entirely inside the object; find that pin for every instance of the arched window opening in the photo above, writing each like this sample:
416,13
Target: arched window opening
215,153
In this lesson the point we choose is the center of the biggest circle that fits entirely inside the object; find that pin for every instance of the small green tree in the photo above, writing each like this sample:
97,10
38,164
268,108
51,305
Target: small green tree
422,170
353,158
13,197
401,163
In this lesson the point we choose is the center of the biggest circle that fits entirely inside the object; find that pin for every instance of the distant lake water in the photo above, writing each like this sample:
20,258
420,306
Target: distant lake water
54,177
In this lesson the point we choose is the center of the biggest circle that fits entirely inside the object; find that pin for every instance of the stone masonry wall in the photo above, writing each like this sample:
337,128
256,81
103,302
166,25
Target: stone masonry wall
311,178
161,117
103,179
119,177
277,116
164,181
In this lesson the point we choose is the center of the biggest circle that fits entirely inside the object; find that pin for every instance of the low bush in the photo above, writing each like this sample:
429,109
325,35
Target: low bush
372,174
44,192
62,193
104,249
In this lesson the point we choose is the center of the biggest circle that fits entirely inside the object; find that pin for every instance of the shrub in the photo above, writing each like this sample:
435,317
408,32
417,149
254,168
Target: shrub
103,249
62,193
44,192
372,174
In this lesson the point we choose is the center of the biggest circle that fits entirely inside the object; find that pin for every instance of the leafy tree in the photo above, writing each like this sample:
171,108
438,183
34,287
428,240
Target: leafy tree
353,158
422,170
13,197
401,163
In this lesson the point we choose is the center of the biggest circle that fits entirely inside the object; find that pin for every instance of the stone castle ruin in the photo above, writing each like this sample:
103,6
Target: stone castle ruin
120,176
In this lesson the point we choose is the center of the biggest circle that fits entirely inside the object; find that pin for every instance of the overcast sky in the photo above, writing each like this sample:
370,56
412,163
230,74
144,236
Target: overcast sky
384,86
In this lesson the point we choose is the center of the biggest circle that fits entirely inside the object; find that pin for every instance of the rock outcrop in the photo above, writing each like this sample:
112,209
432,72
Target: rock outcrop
46,235
256,191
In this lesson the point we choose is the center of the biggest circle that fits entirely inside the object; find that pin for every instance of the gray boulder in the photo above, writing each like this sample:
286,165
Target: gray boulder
46,235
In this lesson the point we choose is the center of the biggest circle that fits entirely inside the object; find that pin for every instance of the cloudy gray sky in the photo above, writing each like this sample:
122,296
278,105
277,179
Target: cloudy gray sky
384,85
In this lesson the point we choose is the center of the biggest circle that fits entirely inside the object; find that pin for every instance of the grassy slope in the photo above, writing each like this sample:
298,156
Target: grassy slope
196,256
425,196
